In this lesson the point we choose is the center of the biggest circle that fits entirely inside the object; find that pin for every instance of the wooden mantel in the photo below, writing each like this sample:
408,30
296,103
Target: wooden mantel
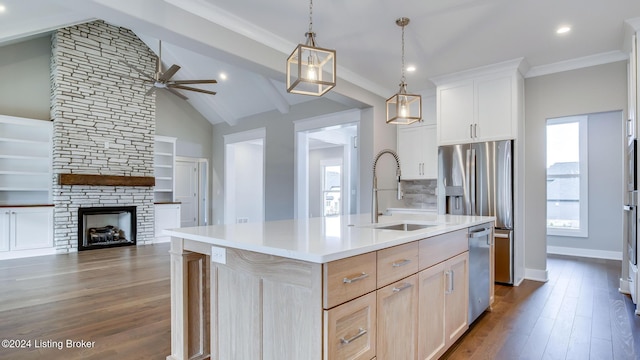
105,180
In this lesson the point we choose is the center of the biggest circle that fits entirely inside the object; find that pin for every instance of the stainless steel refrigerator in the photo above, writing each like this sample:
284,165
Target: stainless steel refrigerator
477,179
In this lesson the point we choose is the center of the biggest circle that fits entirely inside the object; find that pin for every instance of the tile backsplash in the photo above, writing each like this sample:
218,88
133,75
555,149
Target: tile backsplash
420,194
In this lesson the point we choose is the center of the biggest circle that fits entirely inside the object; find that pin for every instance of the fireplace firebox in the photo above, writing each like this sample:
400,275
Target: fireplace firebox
103,227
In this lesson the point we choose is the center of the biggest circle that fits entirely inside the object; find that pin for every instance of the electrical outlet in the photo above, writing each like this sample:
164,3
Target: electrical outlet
218,255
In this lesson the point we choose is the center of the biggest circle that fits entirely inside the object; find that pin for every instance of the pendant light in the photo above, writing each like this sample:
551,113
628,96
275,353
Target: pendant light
403,108
311,70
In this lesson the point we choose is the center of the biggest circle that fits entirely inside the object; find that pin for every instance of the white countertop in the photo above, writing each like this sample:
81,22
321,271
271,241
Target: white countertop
321,240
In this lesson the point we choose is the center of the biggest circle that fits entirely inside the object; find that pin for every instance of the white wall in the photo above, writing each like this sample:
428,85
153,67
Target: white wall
606,166
248,186
25,88
583,91
279,156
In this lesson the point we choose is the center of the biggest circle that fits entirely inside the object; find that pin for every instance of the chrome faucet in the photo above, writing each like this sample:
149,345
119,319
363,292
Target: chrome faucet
374,195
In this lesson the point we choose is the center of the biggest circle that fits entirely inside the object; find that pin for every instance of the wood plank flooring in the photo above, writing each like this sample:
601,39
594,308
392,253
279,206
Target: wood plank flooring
578,314
119,298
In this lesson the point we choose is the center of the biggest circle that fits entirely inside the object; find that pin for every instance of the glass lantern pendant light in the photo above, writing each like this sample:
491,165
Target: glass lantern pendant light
403,108
311,70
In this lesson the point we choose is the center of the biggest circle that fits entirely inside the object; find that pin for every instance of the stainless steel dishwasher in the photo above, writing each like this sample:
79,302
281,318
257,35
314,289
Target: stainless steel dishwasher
480,238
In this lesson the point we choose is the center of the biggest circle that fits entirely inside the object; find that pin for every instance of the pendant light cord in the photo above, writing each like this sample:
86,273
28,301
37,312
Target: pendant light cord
311,16
403,78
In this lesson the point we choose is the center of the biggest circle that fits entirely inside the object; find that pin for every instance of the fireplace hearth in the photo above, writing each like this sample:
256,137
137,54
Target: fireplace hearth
103,227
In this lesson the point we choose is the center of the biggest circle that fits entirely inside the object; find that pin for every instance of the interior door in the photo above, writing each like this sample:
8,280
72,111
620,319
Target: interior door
187,191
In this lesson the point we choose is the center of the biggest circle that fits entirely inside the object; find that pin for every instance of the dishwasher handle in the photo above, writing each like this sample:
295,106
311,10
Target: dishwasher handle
480,233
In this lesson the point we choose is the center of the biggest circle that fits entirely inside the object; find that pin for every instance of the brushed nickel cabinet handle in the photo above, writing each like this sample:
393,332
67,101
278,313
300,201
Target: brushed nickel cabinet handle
361,332
401,263
402,287
354,279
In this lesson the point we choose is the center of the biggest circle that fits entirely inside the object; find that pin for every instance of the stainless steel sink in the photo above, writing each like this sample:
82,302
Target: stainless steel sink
404,227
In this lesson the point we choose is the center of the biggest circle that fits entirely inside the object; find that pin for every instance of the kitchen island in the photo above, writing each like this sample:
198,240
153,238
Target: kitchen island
321,288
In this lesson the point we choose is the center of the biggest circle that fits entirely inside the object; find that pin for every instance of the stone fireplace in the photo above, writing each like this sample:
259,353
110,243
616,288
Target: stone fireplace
109,226
103,126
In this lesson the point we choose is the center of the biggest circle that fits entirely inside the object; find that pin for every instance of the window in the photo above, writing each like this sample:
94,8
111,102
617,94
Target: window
331,176
567,175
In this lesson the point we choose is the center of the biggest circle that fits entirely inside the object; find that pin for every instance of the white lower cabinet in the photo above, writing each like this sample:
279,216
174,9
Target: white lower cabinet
167,216
23,229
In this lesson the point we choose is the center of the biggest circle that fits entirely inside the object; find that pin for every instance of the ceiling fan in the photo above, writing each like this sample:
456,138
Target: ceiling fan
162,80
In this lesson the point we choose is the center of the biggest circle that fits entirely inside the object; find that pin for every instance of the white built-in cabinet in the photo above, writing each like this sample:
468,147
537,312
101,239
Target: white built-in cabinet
26,231
26,212
25,161
167,216
417,145
164,168
633,93
480,105
167,212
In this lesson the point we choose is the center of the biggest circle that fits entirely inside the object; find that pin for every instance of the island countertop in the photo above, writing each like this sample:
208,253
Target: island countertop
321,240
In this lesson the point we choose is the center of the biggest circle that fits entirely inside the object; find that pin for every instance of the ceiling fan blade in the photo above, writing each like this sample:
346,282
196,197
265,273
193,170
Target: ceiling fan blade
191,89
169,73
150,91
177,94
179,82
137,70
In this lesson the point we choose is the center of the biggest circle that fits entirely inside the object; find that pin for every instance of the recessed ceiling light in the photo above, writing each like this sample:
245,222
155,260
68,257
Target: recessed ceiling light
563,29
411,68
223,76
2,8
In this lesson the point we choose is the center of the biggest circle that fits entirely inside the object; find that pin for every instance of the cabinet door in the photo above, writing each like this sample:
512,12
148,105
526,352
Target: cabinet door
4,229
494,99
31,228
410,153
457,297
455,113
167,216
431,332
397,320
430,152
350,329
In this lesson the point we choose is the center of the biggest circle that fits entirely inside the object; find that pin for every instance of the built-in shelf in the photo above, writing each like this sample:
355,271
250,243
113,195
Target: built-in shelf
25,161
164,168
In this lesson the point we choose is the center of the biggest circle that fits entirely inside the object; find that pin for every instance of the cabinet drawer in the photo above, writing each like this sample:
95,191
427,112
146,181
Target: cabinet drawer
346,279
350,329
396,263
442,247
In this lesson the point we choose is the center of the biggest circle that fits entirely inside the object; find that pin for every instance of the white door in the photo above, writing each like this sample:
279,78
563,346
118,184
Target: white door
187,191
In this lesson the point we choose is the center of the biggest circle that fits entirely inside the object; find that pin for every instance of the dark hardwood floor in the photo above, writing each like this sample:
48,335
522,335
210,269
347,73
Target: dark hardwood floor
119,298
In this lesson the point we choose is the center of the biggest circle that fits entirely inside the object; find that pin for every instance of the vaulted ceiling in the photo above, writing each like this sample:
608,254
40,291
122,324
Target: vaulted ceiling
249,40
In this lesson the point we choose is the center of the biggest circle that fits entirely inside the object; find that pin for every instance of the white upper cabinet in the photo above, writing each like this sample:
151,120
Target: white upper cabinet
480,105
417,145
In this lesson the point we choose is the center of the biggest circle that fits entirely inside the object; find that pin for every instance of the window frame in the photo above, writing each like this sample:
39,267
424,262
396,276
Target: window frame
583,151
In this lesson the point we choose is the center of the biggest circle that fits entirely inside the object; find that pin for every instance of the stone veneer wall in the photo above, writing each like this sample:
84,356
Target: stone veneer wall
102,124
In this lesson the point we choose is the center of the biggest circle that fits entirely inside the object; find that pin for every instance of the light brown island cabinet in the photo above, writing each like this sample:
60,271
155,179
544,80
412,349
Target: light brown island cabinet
251,305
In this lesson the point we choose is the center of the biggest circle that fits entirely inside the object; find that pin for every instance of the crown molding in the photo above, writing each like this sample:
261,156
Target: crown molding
578,63
518,64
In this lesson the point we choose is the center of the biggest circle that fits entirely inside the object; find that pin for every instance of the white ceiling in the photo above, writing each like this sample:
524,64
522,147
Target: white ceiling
251,39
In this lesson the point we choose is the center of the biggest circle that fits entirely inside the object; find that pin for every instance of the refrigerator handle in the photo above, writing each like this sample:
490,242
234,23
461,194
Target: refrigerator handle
467,184
472,185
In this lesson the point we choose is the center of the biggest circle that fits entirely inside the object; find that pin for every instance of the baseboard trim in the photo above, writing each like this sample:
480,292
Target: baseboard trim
536,275
588,253
26,253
